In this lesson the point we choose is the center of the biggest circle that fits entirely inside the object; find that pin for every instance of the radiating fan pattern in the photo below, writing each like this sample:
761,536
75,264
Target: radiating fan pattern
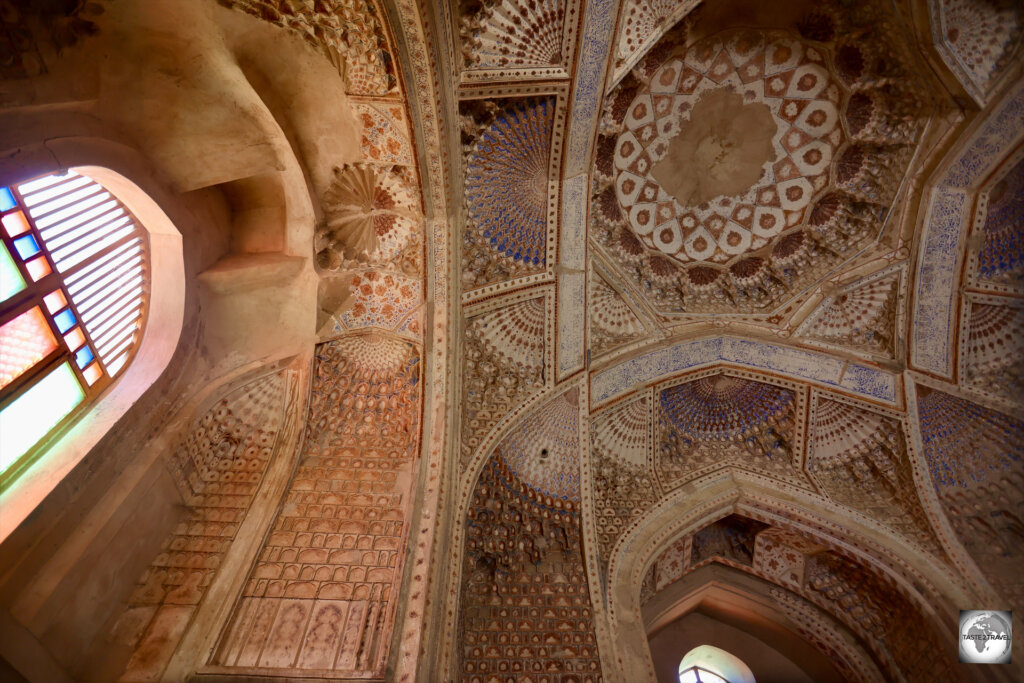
980,32
1001,258
514,34
860,459
643,22
724,408
622,432
369,210
995,349
507,182
612,320
862,317
516,334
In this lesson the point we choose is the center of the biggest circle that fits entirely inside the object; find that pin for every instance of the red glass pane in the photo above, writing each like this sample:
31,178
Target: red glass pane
92,373
74,338
25,341
15,224
38,268
55,301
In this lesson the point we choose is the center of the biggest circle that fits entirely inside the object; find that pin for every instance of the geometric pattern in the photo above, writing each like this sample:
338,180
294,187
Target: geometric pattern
979,37
792,79
217,468
623,487
721,420
525,605
612,321
734,171
622,432
323,592
643,22
503,364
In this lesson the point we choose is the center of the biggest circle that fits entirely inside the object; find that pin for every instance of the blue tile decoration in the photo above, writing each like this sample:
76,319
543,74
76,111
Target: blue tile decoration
820,368
507,182
945,226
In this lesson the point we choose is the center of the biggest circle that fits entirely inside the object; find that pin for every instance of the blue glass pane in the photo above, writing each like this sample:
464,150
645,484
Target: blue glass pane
6,199
65,320
84,356
26,246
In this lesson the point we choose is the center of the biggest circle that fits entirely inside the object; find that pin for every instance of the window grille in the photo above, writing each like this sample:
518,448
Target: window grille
74,279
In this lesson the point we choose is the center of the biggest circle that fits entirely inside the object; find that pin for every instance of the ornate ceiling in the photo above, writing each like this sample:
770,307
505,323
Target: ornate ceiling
620,300
707,246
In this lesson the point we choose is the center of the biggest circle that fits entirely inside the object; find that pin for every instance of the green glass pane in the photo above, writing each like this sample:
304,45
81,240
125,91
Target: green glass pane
11,281
30,416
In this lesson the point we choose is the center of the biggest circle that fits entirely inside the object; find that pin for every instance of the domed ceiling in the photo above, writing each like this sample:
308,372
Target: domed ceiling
622,299
704,231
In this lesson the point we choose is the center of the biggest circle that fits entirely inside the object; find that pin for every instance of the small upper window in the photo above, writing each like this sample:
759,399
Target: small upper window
74,281
696,674
709,664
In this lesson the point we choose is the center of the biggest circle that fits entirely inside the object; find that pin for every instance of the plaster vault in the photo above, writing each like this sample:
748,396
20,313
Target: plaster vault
535,341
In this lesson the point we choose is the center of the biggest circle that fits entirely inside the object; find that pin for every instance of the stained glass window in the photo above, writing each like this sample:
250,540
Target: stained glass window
73,291
696,674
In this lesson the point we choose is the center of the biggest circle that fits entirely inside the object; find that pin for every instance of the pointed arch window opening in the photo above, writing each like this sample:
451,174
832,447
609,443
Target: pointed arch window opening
74,287
696,674
710,664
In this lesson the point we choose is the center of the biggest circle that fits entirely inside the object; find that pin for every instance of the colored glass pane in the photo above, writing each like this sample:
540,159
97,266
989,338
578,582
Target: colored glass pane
15,224
7,201
74,338
92,373
27,246
55,301
38,268
83,357
65,320
11,281
24,341
33,414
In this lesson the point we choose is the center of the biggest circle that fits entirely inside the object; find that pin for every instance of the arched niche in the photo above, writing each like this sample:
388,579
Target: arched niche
158,342
923,582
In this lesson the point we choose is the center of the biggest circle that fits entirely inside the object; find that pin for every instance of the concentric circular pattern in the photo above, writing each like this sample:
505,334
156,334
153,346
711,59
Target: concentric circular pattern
791,84
737,171
724,408
1002,255
543,450
507,182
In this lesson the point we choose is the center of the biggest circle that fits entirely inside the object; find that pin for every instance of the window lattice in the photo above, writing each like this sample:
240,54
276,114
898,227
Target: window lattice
73,290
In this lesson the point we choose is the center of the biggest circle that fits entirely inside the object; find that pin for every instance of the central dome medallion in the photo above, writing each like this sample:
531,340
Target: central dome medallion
727,145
